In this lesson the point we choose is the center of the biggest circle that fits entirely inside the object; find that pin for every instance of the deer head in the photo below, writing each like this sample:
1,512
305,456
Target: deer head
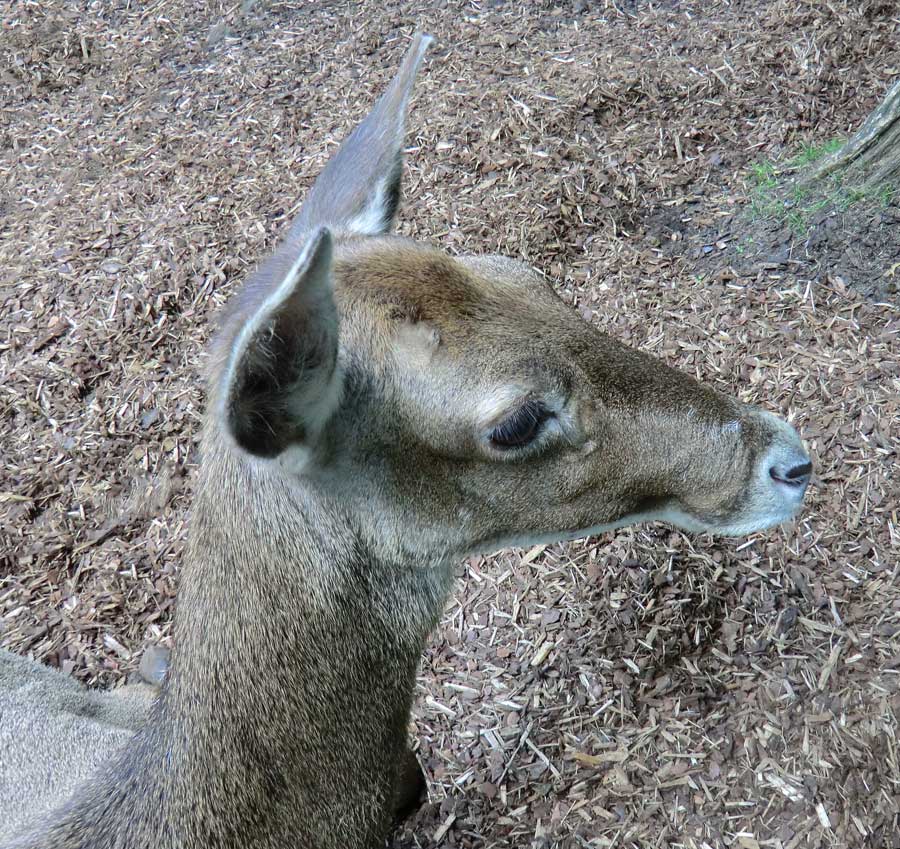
451,404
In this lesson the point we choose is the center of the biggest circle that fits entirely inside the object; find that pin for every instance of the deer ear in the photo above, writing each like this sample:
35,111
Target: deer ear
282,381
358,191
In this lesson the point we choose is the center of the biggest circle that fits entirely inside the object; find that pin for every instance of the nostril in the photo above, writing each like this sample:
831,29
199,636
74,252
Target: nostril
801,472
795,475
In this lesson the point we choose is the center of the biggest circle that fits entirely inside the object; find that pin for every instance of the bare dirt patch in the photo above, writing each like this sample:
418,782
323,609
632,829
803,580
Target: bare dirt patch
646,688
854,247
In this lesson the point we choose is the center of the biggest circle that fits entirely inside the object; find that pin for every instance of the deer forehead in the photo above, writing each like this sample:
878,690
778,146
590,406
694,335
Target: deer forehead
414,308
412,297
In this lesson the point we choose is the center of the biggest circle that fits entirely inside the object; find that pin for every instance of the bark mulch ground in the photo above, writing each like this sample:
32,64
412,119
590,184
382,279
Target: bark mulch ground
645,688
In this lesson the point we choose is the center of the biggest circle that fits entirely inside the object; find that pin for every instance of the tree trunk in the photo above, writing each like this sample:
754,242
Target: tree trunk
872,157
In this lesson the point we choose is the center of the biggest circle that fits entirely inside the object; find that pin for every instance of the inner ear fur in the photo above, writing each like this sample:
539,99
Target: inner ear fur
280,384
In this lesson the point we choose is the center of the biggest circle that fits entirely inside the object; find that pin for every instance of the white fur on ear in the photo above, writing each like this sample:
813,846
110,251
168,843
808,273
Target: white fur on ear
375,217
358,191
282,381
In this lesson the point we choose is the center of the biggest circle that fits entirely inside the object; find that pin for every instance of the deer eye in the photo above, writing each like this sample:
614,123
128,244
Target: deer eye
517,430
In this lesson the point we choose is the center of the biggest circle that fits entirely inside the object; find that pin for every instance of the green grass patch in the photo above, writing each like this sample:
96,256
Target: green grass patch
772,196
764,184
764,174
810,153
886,194
798,222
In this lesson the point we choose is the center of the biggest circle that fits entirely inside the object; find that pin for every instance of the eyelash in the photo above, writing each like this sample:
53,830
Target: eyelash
520,428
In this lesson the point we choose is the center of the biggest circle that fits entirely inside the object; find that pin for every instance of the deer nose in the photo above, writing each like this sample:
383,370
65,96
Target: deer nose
787,460
796,475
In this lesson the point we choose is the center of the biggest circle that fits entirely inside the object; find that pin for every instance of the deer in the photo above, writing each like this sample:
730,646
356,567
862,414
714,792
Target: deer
377,410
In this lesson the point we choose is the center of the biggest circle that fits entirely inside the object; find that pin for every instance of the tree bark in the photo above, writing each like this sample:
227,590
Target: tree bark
871,158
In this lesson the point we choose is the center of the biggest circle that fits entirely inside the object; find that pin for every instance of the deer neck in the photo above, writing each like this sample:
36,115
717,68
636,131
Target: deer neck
295,648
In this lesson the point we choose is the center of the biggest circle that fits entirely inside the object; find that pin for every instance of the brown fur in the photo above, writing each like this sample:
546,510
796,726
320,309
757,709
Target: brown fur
348,462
